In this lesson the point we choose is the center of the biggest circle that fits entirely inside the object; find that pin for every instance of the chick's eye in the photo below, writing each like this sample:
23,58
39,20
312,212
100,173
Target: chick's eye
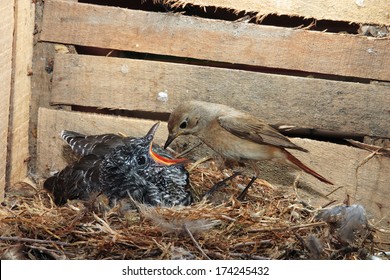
183,125
141,160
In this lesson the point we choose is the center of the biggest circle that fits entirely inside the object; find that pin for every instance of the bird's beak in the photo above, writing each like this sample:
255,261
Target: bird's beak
170,139
164,160
152,131
157,157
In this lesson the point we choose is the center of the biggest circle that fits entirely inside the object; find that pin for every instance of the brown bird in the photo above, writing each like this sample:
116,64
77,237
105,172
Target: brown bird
235,135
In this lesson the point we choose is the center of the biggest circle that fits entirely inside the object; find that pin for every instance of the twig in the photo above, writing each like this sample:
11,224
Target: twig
105,227
30,240
329,203
372,148
287,228
220,184
343,251
182,154
248,256
261,242
328,194
51,252
195,242
109,53
196,163
364,161
300,239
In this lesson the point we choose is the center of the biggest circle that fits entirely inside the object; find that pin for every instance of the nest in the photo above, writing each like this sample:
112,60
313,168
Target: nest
269,224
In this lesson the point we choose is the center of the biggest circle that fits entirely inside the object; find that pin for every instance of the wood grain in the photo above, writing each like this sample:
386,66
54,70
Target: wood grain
375,12
369,186
215,40
41,82
6,39
303,102
21,94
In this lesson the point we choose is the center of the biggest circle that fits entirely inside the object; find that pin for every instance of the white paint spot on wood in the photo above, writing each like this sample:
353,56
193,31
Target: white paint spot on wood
125,68
162,96
360,3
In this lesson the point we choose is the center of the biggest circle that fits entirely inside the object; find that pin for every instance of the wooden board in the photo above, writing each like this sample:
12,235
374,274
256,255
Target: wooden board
376,12
41,82
6,40
21,94
366,183
369,187
215,40
136,84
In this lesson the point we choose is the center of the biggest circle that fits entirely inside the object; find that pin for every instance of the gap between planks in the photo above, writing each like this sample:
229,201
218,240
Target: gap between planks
374,12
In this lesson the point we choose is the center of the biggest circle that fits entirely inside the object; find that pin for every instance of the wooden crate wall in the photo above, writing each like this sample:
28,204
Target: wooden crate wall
332,84
16,37
6,29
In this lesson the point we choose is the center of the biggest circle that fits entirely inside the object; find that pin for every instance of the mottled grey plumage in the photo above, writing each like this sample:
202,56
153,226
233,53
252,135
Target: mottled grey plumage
120,166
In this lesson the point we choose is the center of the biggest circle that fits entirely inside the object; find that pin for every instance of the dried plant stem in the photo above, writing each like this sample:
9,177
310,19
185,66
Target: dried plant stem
195,242
287,228
379,150
182,154
30,240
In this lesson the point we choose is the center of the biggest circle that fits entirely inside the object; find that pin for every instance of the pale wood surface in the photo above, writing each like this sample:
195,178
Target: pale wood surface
41,82
337,163
304,102
6,39
369,11
215,40
20,105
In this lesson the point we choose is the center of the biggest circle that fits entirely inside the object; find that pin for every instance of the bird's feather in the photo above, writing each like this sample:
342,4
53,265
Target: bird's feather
78,180
255,130
91,144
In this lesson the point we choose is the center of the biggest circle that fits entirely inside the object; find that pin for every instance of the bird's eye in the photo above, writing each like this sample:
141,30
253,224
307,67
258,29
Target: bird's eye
141,160
183,125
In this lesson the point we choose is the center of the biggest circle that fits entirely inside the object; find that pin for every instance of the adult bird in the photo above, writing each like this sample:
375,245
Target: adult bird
235,135
118,167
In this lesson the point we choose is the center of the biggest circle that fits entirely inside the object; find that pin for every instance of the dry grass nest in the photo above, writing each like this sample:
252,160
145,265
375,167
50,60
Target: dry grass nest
269,224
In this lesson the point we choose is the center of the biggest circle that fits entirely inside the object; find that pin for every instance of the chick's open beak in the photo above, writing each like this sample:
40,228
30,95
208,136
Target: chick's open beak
157,157
164,160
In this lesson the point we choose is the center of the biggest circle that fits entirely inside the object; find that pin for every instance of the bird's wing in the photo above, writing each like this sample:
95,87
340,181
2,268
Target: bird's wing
77,181
253,129
93,144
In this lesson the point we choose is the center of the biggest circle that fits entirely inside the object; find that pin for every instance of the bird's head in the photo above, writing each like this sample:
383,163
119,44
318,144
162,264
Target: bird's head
145,171
145,152
184,120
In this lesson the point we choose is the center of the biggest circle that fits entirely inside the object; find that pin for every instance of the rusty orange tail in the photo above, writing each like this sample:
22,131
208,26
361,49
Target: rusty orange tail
298,163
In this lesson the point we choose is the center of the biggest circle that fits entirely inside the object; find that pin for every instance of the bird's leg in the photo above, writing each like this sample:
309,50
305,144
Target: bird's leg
242,195
220,184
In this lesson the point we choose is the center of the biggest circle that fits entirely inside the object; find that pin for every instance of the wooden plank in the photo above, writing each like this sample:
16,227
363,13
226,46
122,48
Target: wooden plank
215,40
375,12
369,187
6,40
21,93
366,183
136,84
41,81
